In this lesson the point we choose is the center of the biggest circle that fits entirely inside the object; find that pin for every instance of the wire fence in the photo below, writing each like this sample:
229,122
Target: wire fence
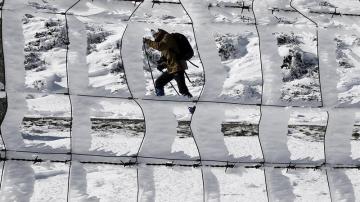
133,161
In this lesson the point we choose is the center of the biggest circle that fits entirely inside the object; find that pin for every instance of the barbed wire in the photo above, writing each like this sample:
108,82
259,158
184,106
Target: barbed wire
171,162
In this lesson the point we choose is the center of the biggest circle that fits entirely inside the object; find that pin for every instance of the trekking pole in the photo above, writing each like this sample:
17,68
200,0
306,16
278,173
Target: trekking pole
187,76
193,64
147,58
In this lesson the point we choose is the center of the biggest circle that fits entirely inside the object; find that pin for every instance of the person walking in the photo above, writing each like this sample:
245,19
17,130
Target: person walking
167,44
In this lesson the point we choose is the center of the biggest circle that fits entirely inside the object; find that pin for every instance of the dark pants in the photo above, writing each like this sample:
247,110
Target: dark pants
179,77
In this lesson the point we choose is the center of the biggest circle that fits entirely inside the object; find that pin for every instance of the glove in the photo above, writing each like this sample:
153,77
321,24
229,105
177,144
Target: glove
161,66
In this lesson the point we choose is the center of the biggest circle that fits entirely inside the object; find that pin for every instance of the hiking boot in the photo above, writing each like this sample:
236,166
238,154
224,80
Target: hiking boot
159,92
188,95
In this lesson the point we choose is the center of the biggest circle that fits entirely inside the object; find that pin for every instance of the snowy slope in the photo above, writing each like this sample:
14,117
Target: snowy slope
291,75
96,57
338,53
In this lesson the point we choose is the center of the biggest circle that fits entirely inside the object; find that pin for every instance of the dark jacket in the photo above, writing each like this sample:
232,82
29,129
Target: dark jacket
168,48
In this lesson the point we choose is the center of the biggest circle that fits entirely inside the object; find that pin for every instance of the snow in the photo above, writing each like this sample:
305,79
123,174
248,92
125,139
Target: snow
274,138
306,135
338,66
344,184
344,7
12,121
244,89
106,126
245,114
13,45
273,12
184,141
1,169
118,9
40,5
310,116
305,150
47,105
355,154
25,181
45,52
244,72
42,125
234,184
103,57
222,12
206,126
88,182
162,139
160,13
170,184
299,69
95,57
244,146
297,185
338,134
300,79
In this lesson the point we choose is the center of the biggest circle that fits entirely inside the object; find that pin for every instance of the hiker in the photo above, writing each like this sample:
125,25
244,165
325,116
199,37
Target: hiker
167,44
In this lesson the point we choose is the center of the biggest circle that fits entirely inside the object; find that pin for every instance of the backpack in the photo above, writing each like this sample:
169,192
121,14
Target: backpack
186,51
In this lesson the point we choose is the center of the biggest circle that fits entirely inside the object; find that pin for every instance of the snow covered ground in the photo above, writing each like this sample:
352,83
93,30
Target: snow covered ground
306,136
344,184
105,126
168,184
234,184
276,88
45,52
291,74
298,185
338,55
98,28
43,123
26,181
88,182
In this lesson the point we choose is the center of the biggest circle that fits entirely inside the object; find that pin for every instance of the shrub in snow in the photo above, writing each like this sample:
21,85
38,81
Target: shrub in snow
299,68
238,52
343,50
298,64
45,52
33,61
231,46
95,35
52,35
